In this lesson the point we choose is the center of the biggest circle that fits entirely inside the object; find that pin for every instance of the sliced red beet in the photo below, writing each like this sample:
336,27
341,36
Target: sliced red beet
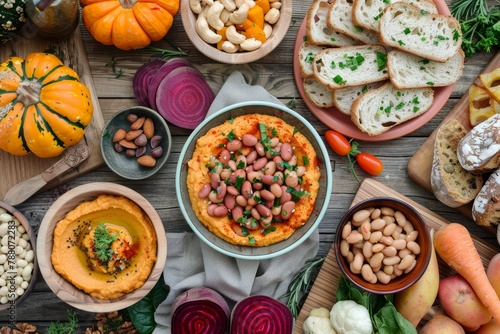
142,80
184,97
162,72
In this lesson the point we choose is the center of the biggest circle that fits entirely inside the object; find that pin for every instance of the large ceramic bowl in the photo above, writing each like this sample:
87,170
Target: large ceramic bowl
325,183
423,239
11,219
63,288
280,29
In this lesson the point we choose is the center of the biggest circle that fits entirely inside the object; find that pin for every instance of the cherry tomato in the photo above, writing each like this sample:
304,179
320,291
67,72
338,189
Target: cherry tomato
369,163
338,142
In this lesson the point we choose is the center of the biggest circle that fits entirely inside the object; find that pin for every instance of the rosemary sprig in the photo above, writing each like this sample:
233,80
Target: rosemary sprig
466,9
166,53
300,284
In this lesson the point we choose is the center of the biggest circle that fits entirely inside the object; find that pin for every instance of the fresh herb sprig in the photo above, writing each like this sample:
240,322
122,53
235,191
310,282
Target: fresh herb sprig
102,241
480,25
68,327
300,284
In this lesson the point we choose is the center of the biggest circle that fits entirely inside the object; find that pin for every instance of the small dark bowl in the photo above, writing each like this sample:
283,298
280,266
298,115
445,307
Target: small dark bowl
403,281
32,239
119,162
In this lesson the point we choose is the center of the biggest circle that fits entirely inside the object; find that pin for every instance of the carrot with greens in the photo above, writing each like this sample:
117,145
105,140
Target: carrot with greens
454,245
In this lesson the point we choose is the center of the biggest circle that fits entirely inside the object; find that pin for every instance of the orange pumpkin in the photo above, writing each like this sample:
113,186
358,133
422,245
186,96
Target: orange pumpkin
128,24
44,108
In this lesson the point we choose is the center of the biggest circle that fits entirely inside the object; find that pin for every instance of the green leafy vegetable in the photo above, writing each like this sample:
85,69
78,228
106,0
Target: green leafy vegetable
102,242
68,327
385,318
142,313
480,25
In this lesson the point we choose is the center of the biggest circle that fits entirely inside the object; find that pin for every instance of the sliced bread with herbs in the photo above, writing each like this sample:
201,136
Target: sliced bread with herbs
343,98
340,20
431,36
367,13
306,55
351,66
450,182
380,109
317,30
320,95
410,71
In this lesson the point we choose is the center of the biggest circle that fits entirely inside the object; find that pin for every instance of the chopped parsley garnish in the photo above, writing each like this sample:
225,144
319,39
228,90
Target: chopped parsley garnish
333,65
268,230
332,39
424,61
407,31
387,110
400,105
231,136
353,62
231,120
251,240
381,60
364,89
456,35
423,12
238,182
376,18
430,83
400,42
297,193
309,58
305,160
295,130
339,80
102,242
358,29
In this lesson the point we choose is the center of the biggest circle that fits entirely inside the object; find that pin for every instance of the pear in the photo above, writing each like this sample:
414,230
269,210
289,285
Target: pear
414,302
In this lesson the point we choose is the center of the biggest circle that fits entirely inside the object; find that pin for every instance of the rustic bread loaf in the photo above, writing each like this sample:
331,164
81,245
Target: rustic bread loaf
451,184
410,71
343,98
385,107
318,32
479,150
317,93
351,66
306,55
367,13
340,19
486,207
431,36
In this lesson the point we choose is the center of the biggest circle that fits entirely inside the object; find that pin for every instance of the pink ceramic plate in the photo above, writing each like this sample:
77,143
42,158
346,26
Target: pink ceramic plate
335,120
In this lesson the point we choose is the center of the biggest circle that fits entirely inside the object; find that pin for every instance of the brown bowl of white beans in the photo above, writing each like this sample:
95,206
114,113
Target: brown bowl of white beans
18,264
382,245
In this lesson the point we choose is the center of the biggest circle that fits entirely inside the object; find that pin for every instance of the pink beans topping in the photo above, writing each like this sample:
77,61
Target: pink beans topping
255,181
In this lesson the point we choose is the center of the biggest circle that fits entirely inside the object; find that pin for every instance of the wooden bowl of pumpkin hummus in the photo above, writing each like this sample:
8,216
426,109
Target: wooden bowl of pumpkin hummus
102,247
254,180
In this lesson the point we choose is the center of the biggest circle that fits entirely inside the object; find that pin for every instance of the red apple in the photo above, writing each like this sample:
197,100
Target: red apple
461,303
491,327
493,273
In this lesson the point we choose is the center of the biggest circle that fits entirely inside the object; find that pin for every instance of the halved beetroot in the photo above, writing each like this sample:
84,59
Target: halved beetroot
142,80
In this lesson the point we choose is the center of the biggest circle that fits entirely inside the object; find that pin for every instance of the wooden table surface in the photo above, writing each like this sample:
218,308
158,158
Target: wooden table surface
275,73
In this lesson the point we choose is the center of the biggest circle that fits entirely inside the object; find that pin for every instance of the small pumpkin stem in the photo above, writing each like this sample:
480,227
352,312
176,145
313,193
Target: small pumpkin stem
28,92
127,3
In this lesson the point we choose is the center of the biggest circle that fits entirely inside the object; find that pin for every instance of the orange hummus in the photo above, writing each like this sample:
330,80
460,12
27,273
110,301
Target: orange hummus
209,147
126,261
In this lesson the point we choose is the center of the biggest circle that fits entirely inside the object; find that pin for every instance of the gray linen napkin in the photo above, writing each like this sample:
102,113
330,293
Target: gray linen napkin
191,263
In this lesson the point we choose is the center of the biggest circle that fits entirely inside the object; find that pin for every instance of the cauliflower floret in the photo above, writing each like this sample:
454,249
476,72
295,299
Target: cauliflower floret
318,322
348,317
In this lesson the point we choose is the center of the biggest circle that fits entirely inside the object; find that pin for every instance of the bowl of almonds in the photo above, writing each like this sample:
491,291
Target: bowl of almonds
136,142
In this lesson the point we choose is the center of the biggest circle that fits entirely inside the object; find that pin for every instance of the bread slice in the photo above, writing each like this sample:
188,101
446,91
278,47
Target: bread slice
343,98
318,32
486,208
451,184
306,55
431,36
367,13
409,71
340,20
491,82
479,150
351,66
317,93
385,107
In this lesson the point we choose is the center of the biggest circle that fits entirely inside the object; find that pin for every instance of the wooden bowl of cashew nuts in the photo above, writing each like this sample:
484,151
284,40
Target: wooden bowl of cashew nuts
218,28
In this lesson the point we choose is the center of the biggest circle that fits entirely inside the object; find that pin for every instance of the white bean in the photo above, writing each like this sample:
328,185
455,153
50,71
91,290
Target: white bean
5,217
30,255
27,271
3,229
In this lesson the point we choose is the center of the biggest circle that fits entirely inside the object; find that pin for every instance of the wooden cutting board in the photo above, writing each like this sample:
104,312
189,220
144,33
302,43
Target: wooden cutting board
322,293
419,166
72,52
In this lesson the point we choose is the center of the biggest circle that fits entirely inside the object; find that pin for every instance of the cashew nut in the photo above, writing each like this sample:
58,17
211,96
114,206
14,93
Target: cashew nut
230,5
229,47
268,29
240,15
204,31
250,3
250,44
272,16
195,5
234,36
276,5
224,16
213,15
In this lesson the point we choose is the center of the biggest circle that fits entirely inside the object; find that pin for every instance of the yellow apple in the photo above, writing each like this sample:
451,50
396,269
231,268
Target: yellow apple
442,324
